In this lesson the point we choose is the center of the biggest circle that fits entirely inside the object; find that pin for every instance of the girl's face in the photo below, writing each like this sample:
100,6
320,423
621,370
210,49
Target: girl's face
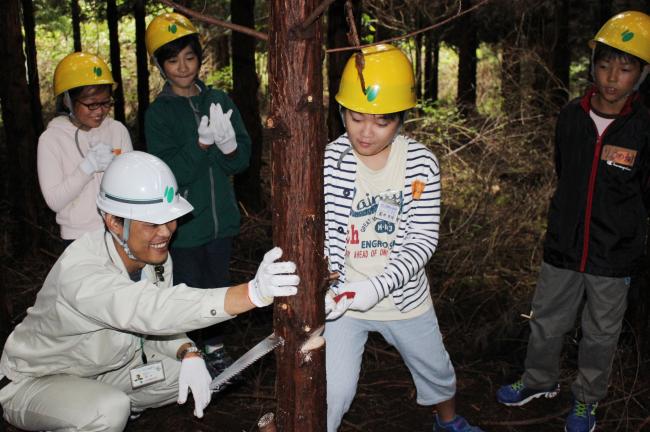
181,71
92,106
371,136
615,79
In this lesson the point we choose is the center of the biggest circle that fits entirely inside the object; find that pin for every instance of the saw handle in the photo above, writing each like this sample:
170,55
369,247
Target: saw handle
349,294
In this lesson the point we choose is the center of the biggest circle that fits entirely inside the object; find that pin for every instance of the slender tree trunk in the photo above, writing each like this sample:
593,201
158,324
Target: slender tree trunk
76,24
221,45
337,29
561,54
112,18
297,137
431,62
32,66
142,59
467,60
417,59
245,88
20,136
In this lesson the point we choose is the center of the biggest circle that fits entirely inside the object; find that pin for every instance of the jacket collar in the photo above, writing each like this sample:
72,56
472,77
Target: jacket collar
585,102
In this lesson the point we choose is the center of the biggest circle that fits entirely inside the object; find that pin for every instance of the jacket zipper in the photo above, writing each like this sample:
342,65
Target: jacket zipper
590,199
213,205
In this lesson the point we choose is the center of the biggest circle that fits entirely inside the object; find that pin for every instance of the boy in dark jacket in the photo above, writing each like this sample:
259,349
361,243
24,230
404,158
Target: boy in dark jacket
597,220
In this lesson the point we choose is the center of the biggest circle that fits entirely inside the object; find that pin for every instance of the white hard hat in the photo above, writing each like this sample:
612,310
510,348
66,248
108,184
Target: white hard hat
140,186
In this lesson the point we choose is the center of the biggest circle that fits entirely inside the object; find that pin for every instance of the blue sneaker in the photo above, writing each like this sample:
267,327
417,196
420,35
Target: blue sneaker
458,424
582,417
516,394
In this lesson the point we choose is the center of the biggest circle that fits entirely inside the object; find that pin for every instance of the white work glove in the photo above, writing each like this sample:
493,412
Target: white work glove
97,159
365,295
335,306
273,279
194,376
206,137
222,130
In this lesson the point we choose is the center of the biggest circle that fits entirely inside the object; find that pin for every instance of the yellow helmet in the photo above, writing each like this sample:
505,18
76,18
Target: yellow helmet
81,69
388,78
629,32
166,28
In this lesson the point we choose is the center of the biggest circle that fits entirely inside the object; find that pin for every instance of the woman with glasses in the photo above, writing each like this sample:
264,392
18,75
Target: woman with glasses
79,143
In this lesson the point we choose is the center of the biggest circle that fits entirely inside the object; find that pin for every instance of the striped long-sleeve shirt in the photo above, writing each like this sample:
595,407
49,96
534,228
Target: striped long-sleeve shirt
403,277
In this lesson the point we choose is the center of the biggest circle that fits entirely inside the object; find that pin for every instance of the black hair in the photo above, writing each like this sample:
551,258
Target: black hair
75,92
606,52
171,49
400,115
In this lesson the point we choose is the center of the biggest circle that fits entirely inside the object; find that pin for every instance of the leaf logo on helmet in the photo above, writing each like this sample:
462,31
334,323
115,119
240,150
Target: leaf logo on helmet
627,36
97,71
169,193
372,92
172,29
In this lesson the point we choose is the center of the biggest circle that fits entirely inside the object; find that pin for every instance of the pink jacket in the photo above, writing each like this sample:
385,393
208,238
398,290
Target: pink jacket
67,190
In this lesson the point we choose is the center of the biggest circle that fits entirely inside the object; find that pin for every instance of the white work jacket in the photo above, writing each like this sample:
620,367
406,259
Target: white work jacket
90,317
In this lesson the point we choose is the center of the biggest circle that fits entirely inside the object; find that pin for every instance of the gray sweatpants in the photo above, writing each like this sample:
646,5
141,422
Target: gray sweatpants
70,403
556,303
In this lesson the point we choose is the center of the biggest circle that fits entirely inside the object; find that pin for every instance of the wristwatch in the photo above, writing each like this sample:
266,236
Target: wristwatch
189,349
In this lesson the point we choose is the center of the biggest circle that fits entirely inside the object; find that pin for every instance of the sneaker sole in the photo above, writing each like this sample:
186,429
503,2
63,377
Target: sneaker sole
547,395
593,428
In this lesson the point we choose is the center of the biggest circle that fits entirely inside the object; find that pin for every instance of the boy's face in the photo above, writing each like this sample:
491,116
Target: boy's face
181,71
615,80
370,134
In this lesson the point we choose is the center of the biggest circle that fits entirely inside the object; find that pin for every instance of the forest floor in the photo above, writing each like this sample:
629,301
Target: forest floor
497,178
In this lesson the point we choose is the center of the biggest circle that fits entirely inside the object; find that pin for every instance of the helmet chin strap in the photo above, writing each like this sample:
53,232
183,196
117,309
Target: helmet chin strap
67,101
160,69
125,232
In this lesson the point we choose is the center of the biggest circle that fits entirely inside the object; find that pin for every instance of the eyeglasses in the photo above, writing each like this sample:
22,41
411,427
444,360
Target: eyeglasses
97,105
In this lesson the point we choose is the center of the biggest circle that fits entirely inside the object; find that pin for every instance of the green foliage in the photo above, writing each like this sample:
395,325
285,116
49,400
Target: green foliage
367,28
220,79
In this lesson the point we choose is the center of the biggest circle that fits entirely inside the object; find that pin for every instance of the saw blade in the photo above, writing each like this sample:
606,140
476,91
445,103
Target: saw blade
264,347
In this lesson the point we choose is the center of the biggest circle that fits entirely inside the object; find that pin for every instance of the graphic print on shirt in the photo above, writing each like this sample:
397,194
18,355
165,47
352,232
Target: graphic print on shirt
373,222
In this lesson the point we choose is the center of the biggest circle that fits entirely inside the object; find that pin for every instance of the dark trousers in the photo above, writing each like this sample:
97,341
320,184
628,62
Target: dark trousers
204,266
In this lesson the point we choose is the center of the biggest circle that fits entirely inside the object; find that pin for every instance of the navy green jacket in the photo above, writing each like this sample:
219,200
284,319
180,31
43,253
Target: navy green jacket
597,221
203,176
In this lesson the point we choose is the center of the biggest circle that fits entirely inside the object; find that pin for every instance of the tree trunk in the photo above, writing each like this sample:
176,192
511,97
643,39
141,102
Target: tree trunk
297,137
431,62
466,96
337,29
561,54
143,71
76,24
32,66
417,59
245,88
20,136
112,19
220,45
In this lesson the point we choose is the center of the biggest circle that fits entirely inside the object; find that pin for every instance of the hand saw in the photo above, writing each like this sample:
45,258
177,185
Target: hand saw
264,347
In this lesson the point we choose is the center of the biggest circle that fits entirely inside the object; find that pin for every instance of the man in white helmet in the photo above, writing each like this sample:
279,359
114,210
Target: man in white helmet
106,335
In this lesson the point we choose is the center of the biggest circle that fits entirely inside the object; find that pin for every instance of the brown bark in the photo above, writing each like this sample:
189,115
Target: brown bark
297,137
143,71
32,66
112,19
76,24
245,95
431,62
20,136
467,62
